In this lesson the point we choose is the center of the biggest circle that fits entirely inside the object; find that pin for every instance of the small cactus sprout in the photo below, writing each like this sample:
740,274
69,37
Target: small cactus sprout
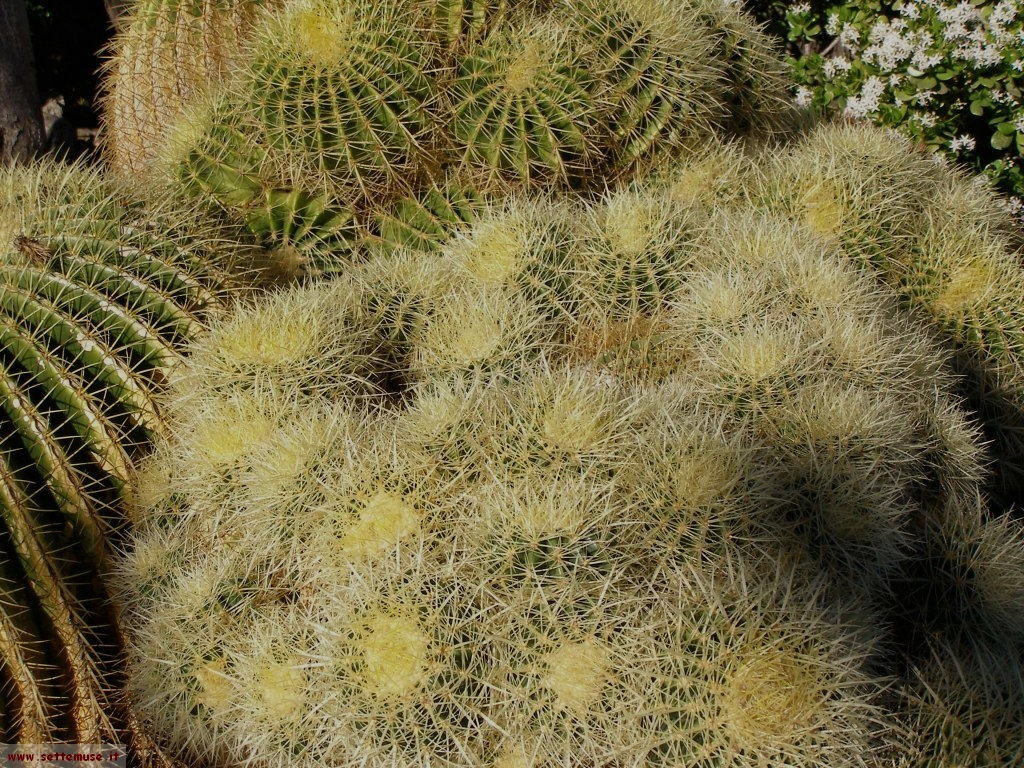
714,173
97,301
166,54
297,339
556,418
477,330
386,123
963,707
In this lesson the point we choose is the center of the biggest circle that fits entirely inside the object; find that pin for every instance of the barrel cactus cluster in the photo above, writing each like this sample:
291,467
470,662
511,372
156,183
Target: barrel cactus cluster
365,124
590,484
499,384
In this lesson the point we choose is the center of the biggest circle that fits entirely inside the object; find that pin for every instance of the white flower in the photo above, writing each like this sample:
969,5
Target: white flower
922,61
959,20
910,11
962,143
803,96
800,8
1013,205
1002,97
835,65
1019,124
832,24
924,98
867,101
926,119
849,37
888,45
981,56
1002,14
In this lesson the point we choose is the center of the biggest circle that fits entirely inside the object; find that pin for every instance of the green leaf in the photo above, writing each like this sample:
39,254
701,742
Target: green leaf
1001,140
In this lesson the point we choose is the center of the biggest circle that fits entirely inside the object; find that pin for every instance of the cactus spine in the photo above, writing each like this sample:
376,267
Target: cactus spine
95,305
944,244
165,55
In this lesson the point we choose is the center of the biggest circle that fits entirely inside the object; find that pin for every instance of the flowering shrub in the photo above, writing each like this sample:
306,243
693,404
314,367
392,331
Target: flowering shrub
947,73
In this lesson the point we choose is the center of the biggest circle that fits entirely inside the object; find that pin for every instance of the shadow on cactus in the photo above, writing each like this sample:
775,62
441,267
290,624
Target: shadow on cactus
939,240
98,296
963,707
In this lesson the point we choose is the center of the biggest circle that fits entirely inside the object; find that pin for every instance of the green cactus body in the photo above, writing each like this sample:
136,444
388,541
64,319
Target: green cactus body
27,703
656,72
94,310
344,88
167,53
754,84
346,121
425,219
521,104
460,22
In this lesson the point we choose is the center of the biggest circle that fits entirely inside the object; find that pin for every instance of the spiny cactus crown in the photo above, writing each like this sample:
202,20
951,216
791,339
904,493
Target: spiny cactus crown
943,243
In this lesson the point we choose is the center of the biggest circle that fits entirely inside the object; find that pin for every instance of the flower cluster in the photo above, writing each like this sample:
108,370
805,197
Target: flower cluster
949,74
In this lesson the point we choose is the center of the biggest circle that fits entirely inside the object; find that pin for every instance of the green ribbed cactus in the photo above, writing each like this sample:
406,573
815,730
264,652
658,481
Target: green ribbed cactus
341,114
164,56
97,300
591,483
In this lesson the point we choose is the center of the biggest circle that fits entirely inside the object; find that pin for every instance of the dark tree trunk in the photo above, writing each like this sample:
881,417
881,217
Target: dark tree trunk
21,118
